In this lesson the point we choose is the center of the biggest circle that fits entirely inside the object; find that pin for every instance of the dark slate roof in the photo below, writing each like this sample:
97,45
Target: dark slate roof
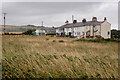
81,24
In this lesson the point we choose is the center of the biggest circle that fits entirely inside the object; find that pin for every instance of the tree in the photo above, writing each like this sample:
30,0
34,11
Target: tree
115,33
29,32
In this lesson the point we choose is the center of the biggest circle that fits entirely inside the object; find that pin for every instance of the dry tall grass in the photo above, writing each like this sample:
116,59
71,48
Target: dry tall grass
44,57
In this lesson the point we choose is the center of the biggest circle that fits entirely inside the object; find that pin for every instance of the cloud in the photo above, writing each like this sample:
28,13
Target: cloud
55,13
60,0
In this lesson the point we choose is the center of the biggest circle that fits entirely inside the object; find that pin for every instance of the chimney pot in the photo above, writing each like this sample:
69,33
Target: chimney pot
94,19
67,22
74,21
84,20
105,19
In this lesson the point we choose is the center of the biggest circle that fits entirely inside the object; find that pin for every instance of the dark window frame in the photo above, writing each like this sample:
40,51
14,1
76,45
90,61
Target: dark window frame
108,32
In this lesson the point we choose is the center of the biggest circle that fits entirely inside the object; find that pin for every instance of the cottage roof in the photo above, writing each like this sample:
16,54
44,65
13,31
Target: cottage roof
81,24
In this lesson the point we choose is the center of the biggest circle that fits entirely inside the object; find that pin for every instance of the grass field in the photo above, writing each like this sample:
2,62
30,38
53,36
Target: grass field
57,57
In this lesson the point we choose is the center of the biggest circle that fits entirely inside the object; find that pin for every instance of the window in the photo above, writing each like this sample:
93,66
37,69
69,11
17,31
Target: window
77,33
108,32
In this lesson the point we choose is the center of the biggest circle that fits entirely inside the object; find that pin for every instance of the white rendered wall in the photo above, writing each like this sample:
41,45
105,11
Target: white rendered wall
67,30
105,28
78,32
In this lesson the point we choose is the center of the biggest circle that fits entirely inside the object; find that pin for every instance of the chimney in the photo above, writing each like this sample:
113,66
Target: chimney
94,19
74,21
67,22
84,20
105,19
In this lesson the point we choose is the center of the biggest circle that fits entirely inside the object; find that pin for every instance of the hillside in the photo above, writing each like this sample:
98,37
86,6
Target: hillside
24,28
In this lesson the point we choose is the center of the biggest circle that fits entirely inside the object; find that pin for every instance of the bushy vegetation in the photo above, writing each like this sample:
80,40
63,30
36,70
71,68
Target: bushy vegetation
7,33
26,56
54,40
115,33
67,36
47,39
61,41
97,40
29,32
51,34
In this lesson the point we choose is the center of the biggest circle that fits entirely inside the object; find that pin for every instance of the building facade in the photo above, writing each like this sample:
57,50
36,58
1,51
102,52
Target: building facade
86,29
40,32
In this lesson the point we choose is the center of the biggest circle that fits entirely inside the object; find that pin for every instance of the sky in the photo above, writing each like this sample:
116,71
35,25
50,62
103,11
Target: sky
56,13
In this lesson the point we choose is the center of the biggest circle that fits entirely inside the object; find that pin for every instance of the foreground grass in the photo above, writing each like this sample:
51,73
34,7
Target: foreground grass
44,57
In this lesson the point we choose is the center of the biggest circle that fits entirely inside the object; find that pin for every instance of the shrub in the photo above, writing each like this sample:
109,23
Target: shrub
29,32
47,39
84,76
6,33
115,33
98,40
50,34
54,40
67,36
61,41
98,75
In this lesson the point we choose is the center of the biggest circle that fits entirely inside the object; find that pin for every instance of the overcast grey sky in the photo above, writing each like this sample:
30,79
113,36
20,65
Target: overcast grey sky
56,13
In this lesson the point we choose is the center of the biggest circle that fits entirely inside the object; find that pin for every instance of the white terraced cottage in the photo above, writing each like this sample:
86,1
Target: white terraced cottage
86,29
